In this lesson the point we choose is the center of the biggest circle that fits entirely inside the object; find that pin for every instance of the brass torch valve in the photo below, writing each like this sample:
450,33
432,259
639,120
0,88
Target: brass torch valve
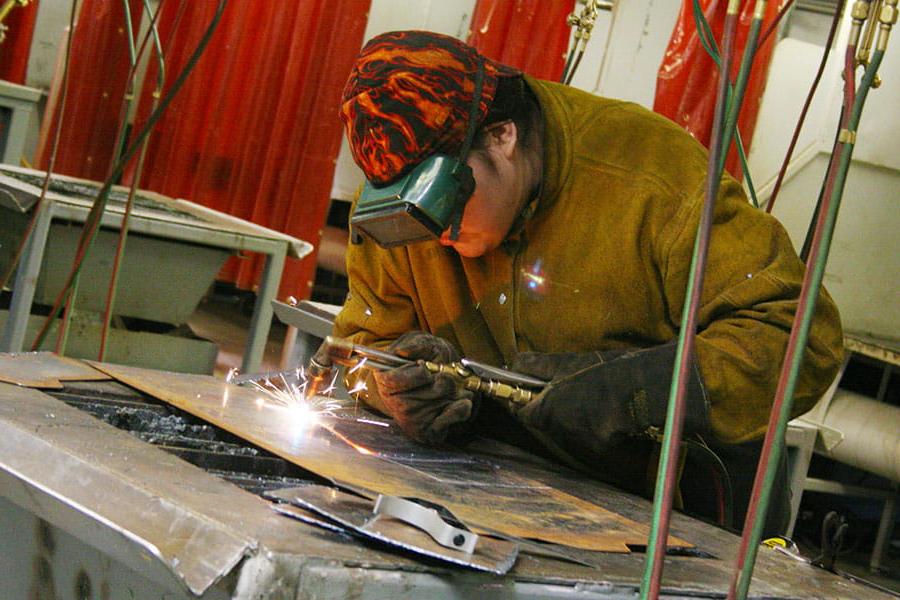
504,392
505,386
5,7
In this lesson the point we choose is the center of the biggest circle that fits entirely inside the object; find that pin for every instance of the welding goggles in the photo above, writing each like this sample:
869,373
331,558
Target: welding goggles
419,206
425,202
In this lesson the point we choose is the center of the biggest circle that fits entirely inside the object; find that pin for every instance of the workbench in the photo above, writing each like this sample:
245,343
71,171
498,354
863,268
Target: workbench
174,507
166,218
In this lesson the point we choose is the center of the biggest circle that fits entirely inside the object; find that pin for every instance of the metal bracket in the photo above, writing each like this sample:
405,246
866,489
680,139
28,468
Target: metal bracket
428,520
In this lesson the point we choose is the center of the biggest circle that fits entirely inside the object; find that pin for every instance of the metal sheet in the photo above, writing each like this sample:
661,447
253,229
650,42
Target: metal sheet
157,529
63,449
44,370
339,448
355,513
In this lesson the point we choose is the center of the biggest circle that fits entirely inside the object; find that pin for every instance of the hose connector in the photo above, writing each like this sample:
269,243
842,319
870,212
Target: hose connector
887,18
859,13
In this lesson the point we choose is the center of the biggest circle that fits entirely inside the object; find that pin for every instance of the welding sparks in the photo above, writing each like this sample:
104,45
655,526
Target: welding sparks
359,387
289,391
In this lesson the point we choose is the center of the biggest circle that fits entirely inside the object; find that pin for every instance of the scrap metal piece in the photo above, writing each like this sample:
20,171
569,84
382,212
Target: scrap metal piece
52,465
44,370
306,516
428,520
356,514
493,498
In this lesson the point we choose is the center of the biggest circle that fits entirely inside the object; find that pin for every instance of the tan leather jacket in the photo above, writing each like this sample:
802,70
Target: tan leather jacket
601,260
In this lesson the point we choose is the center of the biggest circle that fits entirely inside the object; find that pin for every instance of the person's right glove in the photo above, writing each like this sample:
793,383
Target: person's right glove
428,407
596,400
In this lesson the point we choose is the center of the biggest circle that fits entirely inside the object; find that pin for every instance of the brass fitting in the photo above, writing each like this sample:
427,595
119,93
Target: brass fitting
887,18
508,394
759,10
860,13
860,10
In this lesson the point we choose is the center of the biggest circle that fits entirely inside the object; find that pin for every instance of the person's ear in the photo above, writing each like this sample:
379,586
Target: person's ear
502,137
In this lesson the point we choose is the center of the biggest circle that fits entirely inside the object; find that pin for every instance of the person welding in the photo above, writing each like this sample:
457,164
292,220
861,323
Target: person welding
536,227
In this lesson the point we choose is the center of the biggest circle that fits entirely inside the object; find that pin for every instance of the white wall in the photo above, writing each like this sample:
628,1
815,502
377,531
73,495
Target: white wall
639,33
864,264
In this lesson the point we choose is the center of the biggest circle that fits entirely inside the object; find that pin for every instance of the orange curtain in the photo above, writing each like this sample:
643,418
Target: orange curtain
531,35
255,130
98,69
15,49
688,78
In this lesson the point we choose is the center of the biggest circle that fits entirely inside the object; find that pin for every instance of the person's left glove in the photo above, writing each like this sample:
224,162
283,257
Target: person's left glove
595,401
428,407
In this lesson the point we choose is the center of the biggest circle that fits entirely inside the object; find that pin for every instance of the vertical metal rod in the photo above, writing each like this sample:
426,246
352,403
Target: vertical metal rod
262,311
885,528
87,240
667,471
26,280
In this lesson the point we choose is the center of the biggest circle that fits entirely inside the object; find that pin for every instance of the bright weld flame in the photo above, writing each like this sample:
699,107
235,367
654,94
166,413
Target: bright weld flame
276,391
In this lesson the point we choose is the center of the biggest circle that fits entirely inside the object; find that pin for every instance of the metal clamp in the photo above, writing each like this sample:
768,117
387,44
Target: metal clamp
428,520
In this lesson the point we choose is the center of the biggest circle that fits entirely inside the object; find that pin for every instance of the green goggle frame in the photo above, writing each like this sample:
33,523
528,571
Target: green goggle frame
425,202
419,206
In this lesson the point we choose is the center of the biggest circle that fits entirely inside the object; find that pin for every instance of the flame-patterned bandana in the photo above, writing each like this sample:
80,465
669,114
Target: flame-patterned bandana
409,96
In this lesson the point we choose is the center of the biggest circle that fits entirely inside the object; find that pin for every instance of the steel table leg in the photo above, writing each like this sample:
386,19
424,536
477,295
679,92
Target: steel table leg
29,269
262,312
885,529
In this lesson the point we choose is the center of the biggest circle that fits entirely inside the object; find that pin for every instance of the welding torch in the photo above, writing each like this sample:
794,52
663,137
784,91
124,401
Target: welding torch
506,386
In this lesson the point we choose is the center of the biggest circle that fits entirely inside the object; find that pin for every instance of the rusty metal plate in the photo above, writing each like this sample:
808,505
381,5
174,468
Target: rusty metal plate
355,513
481,493
44,370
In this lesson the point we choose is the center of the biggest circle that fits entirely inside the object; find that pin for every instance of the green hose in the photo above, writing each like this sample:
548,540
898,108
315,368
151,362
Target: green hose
808,311
705,35
740,85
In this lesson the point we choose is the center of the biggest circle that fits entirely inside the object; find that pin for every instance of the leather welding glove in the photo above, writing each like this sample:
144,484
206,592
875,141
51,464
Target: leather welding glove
428,407
595,401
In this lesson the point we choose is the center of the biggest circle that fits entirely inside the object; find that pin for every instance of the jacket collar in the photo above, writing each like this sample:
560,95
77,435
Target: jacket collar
557,159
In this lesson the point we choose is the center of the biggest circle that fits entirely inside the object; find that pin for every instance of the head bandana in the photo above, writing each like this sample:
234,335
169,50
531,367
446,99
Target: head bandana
409,96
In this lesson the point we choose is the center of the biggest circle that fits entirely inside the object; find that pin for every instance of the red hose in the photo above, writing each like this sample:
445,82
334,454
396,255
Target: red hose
812,91
792,349
712,186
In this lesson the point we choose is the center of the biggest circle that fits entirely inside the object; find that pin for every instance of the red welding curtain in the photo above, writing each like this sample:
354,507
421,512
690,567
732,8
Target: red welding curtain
15,50
531,35
255,130
98,69
687,79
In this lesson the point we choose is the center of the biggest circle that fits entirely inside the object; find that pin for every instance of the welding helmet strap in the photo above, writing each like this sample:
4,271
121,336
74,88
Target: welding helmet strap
463,172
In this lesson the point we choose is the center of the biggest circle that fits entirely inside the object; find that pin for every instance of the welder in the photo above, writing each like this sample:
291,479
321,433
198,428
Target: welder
536,227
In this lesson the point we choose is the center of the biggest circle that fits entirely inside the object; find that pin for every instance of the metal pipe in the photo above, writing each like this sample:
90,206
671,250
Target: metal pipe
129,204
668,464
869,430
